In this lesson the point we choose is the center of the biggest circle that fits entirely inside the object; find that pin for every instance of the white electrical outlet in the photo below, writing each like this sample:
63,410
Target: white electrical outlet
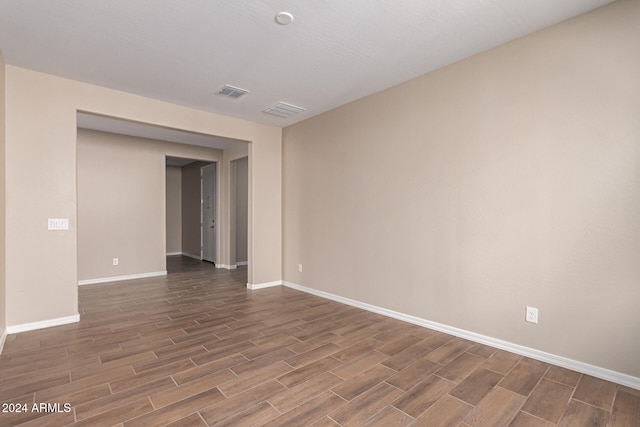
299,268
116,261
531,315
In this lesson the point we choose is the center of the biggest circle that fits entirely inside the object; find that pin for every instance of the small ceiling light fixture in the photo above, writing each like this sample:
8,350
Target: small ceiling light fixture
284,18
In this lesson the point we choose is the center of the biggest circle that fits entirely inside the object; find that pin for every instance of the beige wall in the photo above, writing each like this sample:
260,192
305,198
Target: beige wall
265,193
508,179
3,303
41,184
174,209
121,203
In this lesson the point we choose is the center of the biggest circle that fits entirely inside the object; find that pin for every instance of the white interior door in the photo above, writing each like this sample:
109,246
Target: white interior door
208,222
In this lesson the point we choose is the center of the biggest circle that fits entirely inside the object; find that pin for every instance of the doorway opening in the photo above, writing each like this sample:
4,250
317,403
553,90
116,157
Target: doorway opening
191,204
120,231
239,222
208,212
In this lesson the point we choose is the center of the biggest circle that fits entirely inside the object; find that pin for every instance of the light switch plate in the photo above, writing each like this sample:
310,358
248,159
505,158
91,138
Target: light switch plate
58,224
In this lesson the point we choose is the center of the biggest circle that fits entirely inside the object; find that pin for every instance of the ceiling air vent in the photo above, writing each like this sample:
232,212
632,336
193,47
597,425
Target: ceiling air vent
232,92
282,109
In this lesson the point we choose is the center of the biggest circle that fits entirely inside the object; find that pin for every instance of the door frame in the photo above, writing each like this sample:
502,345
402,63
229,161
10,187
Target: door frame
215,211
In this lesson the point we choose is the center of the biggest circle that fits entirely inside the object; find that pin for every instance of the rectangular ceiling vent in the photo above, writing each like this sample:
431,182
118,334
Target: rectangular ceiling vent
232,91
282,109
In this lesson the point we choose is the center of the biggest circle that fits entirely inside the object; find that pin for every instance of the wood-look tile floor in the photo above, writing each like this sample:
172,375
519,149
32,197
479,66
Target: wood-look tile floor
198,349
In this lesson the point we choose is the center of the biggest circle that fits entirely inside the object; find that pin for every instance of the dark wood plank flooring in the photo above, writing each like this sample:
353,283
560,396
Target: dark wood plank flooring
198,349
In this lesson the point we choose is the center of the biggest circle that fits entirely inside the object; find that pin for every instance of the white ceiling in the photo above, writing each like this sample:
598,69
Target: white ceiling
334,52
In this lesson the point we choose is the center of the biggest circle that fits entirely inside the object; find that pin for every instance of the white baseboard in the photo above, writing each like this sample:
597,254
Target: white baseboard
256,286
173,253
42,324
585,368
227,266
198,257
3,338
232,266
121,278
